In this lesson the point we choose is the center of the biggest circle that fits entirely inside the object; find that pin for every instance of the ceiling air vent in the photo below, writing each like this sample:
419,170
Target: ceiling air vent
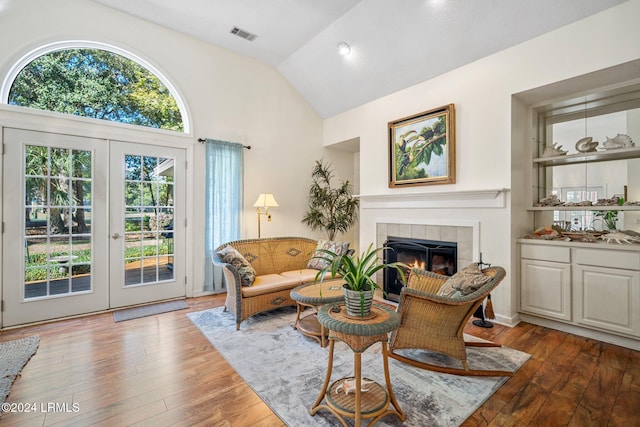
244,34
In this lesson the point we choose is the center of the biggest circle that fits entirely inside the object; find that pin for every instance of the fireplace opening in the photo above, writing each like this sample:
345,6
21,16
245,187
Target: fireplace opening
431,255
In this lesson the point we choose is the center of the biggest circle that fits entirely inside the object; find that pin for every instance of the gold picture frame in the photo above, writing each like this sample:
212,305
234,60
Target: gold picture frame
422,148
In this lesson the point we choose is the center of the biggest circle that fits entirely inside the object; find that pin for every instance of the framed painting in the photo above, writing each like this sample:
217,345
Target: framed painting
422,148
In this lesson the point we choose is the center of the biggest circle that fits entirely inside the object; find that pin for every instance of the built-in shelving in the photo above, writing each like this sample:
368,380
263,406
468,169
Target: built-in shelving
588,288
596,156
584,208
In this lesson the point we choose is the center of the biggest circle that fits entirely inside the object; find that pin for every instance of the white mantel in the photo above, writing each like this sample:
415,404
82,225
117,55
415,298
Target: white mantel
492,198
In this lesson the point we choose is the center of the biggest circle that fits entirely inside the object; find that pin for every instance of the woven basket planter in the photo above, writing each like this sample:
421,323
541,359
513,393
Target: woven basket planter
358,303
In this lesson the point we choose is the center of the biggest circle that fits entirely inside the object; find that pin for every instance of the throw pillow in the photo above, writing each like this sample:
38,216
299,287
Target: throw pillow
464,282
337,248
231,256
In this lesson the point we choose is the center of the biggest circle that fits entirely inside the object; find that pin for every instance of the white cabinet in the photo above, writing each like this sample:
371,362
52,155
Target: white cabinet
545,286
607,298
593,286
607,290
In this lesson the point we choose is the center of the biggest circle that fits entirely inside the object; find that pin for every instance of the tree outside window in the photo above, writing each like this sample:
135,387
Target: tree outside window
99,84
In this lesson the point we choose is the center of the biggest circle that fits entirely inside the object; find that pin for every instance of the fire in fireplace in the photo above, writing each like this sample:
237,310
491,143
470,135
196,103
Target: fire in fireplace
431,255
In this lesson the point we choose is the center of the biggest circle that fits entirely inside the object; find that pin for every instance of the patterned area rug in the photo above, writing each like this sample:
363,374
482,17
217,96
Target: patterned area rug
13,356
148,310
287,369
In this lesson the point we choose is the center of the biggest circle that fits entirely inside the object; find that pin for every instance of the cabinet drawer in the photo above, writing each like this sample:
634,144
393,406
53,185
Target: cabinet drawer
545,253
607,258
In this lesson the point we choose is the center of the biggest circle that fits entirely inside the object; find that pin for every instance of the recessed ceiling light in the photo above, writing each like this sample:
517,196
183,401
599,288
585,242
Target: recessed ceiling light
344,49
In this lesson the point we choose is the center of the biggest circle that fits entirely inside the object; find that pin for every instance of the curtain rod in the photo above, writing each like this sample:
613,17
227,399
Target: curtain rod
202,140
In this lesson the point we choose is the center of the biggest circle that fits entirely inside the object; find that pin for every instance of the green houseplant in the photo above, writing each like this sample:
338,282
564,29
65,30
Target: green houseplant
609,219
332,209
358,276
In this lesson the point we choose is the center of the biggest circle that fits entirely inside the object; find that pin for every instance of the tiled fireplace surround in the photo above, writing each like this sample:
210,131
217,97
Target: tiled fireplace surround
463,235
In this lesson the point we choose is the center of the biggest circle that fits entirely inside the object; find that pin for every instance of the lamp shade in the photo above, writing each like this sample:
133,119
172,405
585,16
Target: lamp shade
265,200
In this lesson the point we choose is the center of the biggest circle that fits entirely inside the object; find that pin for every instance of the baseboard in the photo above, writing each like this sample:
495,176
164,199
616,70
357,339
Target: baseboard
631,343
201,293
507,321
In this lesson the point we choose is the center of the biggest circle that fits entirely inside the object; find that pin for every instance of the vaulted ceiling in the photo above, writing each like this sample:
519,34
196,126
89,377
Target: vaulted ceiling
394,44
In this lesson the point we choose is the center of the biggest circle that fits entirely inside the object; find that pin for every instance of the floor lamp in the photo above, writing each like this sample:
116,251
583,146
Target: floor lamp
262,205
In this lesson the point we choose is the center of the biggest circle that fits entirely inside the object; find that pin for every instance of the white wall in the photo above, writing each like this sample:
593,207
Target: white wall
228,96
482,94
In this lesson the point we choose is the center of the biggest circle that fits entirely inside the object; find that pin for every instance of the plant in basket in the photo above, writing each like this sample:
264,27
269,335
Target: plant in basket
358,272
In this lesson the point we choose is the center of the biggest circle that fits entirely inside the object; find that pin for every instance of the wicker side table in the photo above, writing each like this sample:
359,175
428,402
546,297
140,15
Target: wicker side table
358,334
315,295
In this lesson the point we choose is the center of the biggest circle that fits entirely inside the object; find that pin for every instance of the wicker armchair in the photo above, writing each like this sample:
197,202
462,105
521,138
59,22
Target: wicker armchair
436,323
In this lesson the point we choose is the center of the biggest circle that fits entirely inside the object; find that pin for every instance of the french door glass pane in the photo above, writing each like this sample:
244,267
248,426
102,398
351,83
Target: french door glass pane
57,225
82,164
148,205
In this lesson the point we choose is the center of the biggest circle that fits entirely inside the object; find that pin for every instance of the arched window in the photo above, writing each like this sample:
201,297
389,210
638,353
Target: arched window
96,82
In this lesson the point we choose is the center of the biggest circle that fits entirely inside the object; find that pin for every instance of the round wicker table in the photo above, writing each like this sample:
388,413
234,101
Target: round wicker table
355,397
315,295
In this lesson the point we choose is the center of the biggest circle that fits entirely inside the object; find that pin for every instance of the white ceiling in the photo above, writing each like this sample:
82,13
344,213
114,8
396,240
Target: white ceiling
395,44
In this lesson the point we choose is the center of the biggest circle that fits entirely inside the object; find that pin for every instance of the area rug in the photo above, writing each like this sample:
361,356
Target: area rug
148,310
287,370
13,356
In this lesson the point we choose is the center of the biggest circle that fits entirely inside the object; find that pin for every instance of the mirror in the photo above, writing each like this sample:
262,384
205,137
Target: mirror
591,126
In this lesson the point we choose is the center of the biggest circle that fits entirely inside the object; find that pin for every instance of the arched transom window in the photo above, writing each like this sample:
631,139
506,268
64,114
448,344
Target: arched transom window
96,83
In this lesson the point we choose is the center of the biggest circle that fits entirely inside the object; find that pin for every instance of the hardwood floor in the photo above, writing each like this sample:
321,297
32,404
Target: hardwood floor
161,371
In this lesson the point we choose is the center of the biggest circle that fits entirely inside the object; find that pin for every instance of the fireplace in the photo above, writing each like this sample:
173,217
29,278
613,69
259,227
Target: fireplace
431,255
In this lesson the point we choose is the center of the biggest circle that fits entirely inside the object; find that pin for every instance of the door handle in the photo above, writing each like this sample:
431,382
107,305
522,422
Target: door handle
115,236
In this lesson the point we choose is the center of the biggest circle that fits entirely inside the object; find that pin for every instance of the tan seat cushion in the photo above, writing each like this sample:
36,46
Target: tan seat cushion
268,283
306,275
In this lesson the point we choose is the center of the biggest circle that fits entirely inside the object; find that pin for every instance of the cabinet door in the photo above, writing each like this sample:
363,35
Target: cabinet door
608,298
545,288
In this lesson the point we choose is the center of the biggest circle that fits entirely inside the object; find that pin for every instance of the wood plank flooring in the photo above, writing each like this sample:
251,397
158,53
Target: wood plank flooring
161,371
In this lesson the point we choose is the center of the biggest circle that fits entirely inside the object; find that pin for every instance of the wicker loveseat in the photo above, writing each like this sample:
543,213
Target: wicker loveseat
280,264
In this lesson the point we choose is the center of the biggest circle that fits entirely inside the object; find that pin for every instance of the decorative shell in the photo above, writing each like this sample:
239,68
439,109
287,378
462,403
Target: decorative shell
619,237
553,150
551,200
546,232
618,141
349,385
582,236
614,201
586,145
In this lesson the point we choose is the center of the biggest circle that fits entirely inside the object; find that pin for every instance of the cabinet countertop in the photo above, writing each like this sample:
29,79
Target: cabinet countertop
600,245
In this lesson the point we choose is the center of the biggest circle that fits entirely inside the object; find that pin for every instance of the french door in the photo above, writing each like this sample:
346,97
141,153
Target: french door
89,225
147,224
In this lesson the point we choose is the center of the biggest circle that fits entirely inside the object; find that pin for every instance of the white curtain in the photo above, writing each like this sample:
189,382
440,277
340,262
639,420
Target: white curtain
223,202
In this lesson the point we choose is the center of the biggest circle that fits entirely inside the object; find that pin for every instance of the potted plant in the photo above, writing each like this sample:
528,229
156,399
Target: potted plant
358,275
332,209
610,218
